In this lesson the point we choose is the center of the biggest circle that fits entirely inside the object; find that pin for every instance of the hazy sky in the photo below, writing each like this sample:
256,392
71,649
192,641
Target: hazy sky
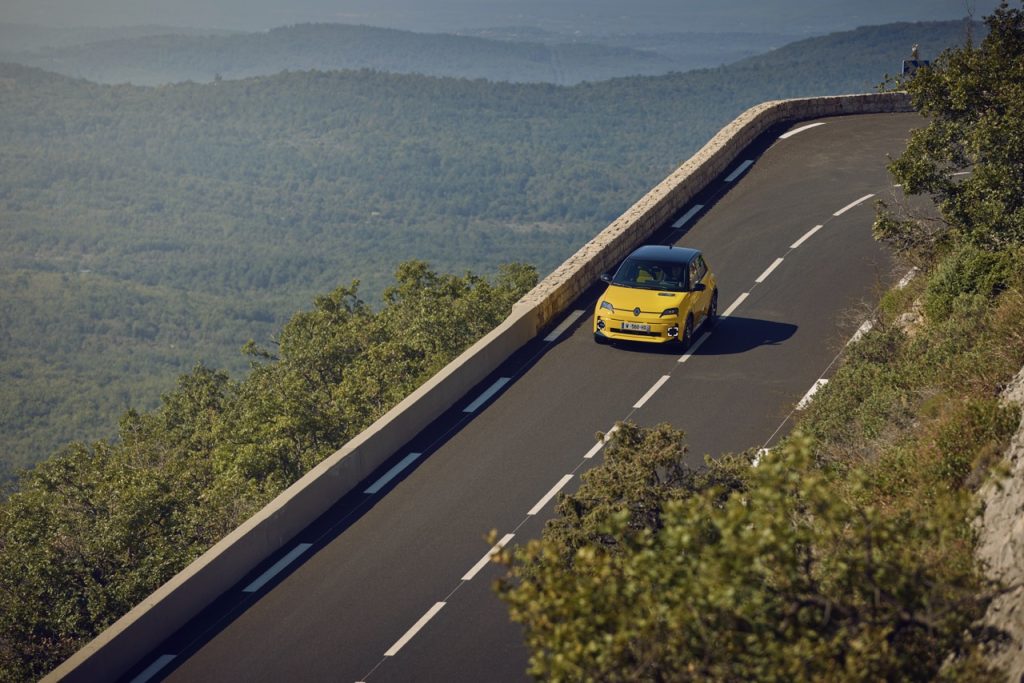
788,16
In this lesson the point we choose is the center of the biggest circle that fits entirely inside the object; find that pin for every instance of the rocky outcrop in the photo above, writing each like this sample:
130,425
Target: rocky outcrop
1001,548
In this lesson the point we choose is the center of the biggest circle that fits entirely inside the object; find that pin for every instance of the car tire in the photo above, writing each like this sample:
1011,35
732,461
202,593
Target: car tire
713,309
687,337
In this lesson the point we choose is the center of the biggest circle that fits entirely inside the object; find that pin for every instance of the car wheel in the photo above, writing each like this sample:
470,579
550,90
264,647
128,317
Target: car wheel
713,309
688,332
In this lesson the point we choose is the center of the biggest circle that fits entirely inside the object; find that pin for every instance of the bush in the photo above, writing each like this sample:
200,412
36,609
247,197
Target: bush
771,577
969,271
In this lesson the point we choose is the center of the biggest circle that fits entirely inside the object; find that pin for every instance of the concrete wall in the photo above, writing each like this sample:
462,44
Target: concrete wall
137,633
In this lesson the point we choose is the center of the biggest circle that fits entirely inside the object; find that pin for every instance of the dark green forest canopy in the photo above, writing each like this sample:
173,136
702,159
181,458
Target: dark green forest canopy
146,229
95,528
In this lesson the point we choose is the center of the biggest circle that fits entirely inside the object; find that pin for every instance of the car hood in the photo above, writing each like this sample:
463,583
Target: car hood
647,300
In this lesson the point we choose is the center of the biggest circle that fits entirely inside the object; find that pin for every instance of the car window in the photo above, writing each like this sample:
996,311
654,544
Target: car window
647,274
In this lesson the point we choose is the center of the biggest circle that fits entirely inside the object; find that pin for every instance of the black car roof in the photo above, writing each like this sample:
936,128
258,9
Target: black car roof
663,253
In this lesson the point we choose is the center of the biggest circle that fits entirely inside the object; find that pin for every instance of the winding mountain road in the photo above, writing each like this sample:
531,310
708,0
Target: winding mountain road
393,584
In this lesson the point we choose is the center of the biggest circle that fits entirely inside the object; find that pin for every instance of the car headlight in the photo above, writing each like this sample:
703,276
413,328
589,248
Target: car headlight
607,306
670,311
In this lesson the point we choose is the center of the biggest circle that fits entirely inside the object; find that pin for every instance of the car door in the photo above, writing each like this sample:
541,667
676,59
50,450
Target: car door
698,275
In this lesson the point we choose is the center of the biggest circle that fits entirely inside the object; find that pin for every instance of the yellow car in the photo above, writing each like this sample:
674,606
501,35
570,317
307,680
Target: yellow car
659,294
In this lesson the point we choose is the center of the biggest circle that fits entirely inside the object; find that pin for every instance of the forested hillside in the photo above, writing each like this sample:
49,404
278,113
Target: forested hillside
145,229
685,51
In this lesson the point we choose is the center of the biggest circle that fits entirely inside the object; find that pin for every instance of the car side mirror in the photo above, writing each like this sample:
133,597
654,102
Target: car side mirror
699,287
606,277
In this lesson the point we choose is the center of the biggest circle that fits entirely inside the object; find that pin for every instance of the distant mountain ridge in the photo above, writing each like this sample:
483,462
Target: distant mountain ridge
144,56
16,38
159,59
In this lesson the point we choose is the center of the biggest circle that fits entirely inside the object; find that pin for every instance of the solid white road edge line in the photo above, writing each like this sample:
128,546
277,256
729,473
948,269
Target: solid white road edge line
693,348
849,206
735,304
739,170
688,215
414,630
801,129
392,473
549,495
486,396
485,560
768,271
806,400
806,236
153,669
650,392
557,332
276,569
600,444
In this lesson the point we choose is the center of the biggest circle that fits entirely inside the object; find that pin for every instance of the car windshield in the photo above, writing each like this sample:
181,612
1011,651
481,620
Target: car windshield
647,274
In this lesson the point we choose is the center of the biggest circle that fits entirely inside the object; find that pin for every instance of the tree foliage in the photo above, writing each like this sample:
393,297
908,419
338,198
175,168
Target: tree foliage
735,573
973,98
94,529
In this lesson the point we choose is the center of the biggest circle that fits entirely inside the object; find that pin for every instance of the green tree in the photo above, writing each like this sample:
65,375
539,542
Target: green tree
96,528
753,573
973,98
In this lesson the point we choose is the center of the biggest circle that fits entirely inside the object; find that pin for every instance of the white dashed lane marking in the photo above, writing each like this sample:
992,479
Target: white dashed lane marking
650,392
688,215
486,559
739,170
600,444
809,396
392,473
852,204
549,495
807,236
277,568
486,396
693,348
801,129
864,328
153,669
735,304
768,271
907,278
569,320
393,650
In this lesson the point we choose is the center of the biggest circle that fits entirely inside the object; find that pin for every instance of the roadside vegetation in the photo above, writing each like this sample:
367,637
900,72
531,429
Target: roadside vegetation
847,552
97,527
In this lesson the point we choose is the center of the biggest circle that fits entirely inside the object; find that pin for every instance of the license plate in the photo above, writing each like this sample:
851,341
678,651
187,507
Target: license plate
636,327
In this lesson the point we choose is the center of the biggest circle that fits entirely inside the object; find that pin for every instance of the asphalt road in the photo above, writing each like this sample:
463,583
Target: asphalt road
389,585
